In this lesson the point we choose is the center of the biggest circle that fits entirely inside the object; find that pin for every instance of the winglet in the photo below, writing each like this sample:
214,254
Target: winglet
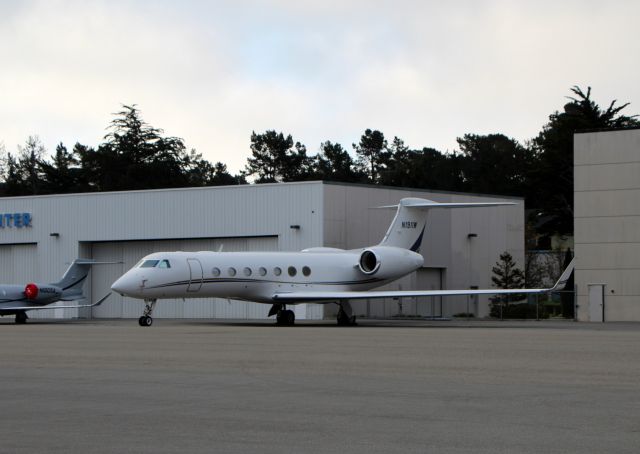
101,300
564,277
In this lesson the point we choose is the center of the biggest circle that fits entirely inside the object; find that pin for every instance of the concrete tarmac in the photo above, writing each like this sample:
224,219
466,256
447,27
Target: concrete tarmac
381,387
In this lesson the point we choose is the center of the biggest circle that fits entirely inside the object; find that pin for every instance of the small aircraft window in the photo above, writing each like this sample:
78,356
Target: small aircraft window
262,270
306,270
232,271
215,272
277,271
149,263
164,264
292,271
247,271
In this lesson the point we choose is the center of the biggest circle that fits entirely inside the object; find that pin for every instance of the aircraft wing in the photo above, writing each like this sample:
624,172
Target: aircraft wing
52,306
347,295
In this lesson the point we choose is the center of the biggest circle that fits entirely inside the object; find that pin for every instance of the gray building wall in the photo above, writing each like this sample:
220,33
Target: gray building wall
607,221
124,226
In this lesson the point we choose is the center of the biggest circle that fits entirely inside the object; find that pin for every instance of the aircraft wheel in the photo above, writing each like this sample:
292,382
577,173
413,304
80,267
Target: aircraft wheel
145,321
289,317
344,320
21,318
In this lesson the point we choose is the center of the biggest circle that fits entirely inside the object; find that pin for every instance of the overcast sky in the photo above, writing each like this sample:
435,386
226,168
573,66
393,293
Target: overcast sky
213,71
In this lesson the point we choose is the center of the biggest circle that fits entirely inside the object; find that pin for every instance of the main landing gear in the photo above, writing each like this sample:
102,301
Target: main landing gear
146,319
345,314
21,318
283,315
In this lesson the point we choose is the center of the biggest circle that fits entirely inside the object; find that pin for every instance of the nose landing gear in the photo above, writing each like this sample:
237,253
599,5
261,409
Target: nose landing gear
146,319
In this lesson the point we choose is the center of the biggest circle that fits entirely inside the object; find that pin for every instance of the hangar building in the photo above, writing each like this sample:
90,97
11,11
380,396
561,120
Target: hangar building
43,234
607,224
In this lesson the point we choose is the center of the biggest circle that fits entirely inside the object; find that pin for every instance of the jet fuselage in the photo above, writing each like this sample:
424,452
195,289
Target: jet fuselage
257,276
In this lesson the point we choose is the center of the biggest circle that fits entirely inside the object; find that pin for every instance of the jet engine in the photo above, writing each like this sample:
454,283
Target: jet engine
386,262
369,262
41,293
31,291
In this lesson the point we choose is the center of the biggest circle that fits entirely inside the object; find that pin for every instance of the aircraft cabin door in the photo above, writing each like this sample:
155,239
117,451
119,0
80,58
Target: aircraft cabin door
195,275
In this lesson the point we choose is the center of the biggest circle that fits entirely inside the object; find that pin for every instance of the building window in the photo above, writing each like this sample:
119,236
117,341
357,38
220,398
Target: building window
292,271
215,272
232,271
306,270
247,271
262,271
277,271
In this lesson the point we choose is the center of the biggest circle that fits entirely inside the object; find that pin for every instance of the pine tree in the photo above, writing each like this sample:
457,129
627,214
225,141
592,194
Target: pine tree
506,275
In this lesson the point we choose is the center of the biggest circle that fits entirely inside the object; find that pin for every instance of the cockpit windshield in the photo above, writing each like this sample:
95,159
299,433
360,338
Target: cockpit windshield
155,263
149,263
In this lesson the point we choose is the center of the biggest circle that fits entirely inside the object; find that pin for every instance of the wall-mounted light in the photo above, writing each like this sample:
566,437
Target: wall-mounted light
294,227
472,235
54,234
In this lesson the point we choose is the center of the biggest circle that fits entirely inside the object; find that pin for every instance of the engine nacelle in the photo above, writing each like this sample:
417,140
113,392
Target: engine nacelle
35,292
31,291
369,262
388,262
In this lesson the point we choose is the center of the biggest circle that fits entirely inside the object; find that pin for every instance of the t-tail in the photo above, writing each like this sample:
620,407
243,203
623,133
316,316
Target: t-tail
73,279
409,224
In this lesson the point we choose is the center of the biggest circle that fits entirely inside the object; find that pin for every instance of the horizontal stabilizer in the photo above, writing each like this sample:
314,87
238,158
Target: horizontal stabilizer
424,203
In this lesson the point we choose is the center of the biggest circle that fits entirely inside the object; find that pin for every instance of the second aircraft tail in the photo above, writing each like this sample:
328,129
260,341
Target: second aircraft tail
73,279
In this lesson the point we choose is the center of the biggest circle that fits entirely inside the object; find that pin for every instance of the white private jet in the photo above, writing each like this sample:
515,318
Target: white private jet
318,275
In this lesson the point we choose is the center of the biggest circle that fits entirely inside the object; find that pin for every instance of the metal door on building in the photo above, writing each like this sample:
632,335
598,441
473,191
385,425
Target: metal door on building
195,275
596,302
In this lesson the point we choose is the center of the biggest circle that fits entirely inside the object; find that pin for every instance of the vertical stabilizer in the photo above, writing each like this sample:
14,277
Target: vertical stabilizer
73,279
409,224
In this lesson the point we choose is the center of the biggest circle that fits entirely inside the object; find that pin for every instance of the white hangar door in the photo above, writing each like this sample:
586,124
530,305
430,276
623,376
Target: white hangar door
429,279
422,279
19,265
130,253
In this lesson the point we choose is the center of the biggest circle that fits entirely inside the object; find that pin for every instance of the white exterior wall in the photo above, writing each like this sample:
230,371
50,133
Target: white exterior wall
350,222
607,221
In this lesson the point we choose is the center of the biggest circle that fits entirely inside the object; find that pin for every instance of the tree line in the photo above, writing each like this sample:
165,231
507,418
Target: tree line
135,155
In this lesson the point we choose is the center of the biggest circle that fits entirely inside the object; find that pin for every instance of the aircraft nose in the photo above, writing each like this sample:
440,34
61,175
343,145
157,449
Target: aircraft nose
124,285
